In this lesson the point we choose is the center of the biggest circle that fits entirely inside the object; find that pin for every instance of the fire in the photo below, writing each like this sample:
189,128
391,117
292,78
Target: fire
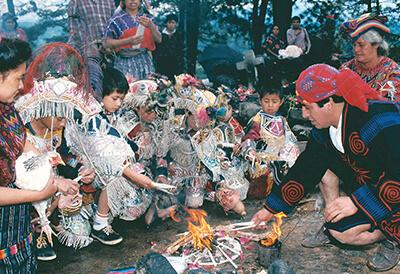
200,230
273,236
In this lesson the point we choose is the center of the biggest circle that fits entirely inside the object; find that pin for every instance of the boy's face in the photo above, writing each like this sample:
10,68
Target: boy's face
295,24
11,84
171,25
147,115
271,103
55,123
113,101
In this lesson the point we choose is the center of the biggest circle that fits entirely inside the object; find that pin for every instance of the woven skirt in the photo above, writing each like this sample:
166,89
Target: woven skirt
16,247
138,66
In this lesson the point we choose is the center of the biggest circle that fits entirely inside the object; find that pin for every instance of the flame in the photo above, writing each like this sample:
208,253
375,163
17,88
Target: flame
273,236
200,230
173,216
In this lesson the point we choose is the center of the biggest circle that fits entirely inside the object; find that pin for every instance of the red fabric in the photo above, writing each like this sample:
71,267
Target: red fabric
321,81
148,41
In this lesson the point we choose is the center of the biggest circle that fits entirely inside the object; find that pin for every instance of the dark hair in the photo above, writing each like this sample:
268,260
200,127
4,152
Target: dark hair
269,90
13,53
295,18
114,81
335,98
171,17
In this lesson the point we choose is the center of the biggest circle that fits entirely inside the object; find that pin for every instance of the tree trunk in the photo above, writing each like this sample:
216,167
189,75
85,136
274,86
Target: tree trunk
193,17
282,13
183,29
258,26
378,7
10,5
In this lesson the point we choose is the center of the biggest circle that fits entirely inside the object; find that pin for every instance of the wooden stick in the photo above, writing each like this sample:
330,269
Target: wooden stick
231,249
227,257
211,256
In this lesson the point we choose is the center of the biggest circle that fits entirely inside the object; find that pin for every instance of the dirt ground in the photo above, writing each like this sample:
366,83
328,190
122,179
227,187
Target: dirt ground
139,240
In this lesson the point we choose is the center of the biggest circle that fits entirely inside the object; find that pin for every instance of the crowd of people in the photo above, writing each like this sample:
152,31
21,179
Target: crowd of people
134,144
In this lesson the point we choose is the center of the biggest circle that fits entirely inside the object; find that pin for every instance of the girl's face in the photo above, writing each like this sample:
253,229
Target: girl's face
132,4
113,101
11,83
271,103
275,30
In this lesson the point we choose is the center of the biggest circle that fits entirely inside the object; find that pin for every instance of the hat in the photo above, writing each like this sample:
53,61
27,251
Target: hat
321,81
357,27
56,85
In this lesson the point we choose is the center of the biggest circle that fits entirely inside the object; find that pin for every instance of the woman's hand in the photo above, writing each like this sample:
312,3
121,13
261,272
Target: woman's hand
87,174
48,190
135,40
147,22
67,186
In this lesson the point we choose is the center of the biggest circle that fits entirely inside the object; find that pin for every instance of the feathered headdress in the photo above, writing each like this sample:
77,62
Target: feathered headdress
153,94
56,84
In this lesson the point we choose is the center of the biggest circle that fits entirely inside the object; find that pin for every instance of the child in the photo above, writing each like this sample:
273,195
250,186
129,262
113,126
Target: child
124,191
45,113
268,138
169,53
16,247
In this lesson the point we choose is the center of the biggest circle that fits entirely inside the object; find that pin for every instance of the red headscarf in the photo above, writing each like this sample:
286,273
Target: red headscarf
321,81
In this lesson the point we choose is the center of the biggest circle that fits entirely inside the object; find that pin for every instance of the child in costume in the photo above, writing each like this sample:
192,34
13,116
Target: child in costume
187,115
124,190
214,146
142,121
268,138
55,82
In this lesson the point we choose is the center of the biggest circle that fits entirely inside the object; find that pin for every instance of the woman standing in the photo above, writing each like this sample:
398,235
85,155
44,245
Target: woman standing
133,47
9,27
16,252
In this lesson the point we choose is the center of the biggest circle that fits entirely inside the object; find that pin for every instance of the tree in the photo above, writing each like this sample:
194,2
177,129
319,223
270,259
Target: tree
258,23
282,13
10,5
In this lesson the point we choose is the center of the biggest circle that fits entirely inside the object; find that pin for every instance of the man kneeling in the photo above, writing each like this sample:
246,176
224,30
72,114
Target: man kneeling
356,138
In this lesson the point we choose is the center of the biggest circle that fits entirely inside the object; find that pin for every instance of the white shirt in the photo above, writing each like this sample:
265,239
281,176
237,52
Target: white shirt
336,135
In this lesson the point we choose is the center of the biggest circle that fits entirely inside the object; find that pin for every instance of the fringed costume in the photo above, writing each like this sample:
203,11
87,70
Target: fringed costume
56,87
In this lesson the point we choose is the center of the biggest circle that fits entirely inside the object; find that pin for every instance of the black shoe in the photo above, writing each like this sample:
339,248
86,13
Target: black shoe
386,257
107,236
316,240
44,251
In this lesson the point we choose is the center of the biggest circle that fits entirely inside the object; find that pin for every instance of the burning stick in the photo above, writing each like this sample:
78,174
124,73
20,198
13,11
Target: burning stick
178,244
227,257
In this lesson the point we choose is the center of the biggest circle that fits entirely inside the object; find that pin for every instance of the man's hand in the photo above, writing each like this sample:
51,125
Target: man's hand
262,215
341,207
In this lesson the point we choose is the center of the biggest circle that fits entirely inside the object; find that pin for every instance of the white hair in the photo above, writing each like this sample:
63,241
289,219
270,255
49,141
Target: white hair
374,38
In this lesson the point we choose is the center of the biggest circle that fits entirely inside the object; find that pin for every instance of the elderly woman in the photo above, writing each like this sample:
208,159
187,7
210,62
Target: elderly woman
132,33
9,27
370,51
